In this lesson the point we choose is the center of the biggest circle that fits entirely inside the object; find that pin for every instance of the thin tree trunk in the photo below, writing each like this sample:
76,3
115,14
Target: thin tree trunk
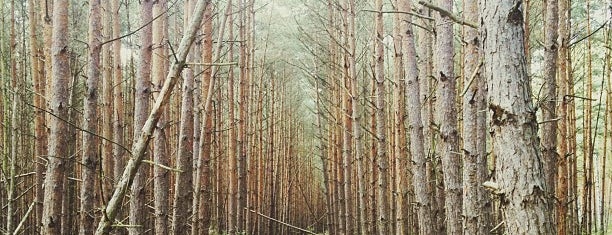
520,180
207,77
562,173
549,128
40,129
476,201
447,120
381,154
356,117
161,176
183,186
58,151
90,142
141,109
417,146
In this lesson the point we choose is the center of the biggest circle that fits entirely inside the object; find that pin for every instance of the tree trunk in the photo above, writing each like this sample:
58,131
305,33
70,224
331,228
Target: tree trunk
549,127
520,179
476,201
381,129
141,110
90,142
159,67
417,146
183,186
58,135
447,119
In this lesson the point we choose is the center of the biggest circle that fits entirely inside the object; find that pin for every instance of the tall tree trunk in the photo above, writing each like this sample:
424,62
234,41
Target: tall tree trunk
562,174
141,110
447,119
40,129
417,146
549,127
207,78
90,142
381,128
183,183
476,201
159,67
15,113
356,117
58,151
242,121
118,119
520,180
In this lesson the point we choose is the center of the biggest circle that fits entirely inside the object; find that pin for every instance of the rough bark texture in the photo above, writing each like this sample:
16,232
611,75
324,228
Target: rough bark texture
90,111
118,117
161,176
562,174
141,110
207,78
356,117
183,183
415,125
447,119
58,151
381,127
476,201
183,187
548,134
141,143
518,167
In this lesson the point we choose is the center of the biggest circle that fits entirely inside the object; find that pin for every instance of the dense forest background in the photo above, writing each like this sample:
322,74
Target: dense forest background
305,116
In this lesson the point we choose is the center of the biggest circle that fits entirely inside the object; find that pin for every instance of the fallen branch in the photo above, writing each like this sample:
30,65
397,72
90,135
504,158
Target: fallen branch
448,14
281,222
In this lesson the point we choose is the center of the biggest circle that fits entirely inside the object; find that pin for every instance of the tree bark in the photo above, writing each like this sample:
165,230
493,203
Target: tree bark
476,201
161,176
447,119
183,183
141,109
518,172
381,128
548,134
58,128
417,146
90,142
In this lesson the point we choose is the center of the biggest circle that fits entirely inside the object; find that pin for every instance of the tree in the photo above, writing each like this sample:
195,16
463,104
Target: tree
58,128
518,173
90,141
476,201
549,127
141,110
447,119
159,68
381,129
415,124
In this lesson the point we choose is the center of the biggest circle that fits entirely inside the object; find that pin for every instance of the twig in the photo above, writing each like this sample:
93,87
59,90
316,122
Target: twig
214,64
281,222
498,226
550,120
402,12
162,166
472,77
448,14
